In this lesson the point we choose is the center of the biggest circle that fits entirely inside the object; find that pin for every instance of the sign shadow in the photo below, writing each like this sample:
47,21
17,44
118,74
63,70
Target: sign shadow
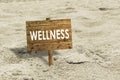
22,53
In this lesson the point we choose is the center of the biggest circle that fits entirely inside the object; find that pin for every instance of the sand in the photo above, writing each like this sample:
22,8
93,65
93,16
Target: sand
96,40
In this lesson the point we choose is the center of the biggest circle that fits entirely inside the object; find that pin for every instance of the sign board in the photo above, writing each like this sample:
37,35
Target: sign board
49,34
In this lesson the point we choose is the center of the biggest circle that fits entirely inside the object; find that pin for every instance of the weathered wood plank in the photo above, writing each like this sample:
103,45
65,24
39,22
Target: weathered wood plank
47,25
49,46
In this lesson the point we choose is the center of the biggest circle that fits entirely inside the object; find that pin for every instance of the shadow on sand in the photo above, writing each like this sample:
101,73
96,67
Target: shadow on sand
22,51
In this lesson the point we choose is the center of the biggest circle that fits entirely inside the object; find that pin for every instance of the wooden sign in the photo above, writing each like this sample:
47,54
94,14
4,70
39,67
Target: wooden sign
49,34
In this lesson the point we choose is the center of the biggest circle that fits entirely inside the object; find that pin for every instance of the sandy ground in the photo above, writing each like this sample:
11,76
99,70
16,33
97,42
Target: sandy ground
96,40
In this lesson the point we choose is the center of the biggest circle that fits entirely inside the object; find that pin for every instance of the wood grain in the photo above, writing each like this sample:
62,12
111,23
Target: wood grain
53,44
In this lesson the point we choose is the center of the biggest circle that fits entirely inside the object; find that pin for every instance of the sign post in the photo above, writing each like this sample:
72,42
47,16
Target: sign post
50,55
49,35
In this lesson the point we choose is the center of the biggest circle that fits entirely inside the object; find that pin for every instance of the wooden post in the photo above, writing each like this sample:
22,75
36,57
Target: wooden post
50,55
47,18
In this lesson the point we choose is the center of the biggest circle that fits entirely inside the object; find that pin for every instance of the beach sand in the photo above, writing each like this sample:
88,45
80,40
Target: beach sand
96,40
